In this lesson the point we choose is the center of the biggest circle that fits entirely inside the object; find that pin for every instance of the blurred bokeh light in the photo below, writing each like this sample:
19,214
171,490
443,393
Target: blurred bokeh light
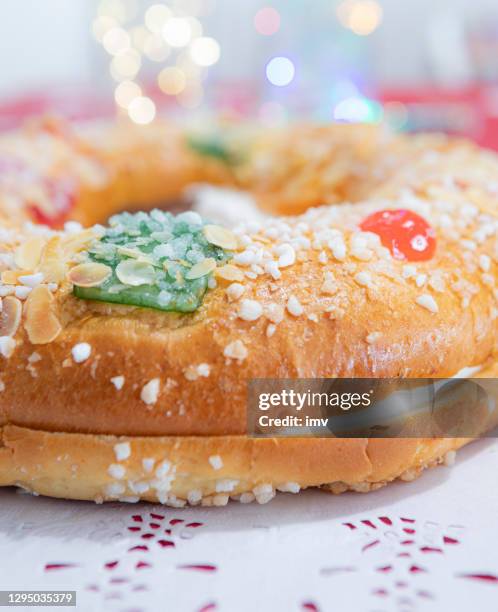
414,64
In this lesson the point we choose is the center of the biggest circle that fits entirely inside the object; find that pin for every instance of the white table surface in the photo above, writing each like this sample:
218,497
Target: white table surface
429,545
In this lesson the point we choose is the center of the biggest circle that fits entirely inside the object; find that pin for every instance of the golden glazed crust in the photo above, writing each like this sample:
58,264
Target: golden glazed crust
208,470
353,318
205,470
314,297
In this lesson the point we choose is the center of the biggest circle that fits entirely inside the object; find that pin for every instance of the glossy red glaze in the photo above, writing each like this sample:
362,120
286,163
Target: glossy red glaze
407,235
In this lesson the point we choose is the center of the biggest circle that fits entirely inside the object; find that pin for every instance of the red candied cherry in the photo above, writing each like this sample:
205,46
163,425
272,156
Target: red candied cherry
61,194
407,235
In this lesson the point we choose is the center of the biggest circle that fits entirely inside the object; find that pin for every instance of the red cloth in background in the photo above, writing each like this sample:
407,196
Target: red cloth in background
74,105
472,112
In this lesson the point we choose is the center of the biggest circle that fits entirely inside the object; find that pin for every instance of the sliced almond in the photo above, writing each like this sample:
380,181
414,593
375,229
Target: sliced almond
135,273
10,316
230,273
75,243
124,250
201,269
89,274
27,255
52,262
136,254
41,322
9,277
220,236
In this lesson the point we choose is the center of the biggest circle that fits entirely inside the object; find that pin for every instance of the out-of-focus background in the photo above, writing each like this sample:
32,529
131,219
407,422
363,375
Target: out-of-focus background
417,64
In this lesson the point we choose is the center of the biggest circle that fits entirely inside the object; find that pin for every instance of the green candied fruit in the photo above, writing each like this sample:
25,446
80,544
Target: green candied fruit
154,260
215,146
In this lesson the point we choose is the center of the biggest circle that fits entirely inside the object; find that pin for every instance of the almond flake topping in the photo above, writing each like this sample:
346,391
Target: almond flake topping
10,316
201,269
135,273
220,236
31,280
41,322
28,254
89,274
9,277
52,261
22,292
230,272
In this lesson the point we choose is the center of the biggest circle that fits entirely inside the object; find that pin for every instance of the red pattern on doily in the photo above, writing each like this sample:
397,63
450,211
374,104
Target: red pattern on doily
370,545
310,606
198,567
58,566
111,565
210,607
330,571
142,565
491,578
403,571
402,578
151,527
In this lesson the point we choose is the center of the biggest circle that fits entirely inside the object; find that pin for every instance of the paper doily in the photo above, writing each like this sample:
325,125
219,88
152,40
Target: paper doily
428,545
